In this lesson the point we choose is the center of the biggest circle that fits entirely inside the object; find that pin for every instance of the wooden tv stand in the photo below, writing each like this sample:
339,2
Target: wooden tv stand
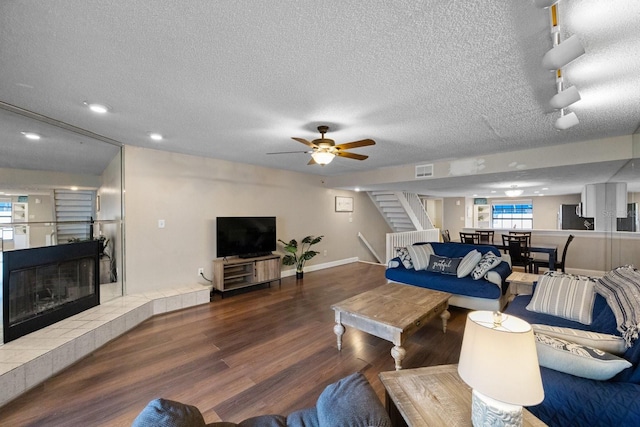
236,273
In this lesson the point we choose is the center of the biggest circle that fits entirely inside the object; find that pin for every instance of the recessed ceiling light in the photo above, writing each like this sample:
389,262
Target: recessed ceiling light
74,188
155,136
97,108
31,135
545,188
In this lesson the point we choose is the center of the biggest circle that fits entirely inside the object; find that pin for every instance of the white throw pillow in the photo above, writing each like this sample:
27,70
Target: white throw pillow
420,255
468,263
606,342
579,360
487,262
564,295
404,256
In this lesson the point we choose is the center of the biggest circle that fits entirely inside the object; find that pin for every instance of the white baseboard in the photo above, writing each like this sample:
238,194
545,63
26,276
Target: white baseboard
292,272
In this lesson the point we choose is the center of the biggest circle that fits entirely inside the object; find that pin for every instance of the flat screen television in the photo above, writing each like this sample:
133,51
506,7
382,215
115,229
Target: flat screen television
246,237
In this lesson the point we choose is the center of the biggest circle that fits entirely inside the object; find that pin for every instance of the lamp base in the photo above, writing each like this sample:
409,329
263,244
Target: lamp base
486,411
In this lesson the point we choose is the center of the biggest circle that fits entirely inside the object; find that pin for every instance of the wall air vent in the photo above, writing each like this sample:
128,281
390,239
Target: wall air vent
424,171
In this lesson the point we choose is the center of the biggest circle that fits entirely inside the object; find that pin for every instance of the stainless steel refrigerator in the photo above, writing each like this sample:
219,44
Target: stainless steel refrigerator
630,223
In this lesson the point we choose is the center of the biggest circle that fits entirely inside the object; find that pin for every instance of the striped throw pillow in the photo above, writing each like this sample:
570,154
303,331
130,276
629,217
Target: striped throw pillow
564,295
420,255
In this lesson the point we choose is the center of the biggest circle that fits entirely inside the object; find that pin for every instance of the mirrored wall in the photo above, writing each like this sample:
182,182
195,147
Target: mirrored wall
59,185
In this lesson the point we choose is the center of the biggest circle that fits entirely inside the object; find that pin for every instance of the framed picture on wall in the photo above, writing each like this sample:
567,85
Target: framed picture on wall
344,204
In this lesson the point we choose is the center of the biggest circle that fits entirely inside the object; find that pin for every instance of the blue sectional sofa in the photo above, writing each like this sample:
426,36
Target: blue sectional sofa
349,402
481,294
574,400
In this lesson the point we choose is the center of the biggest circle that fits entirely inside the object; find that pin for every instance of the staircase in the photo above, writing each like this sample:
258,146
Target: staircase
403,211
73,210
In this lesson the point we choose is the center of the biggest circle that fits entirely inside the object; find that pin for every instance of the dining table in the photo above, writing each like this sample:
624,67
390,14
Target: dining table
546,248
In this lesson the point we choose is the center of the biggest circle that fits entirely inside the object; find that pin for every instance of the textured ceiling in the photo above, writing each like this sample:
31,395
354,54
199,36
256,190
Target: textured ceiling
234,80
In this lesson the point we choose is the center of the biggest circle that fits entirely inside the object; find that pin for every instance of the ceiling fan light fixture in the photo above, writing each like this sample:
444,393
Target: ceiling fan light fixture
322,157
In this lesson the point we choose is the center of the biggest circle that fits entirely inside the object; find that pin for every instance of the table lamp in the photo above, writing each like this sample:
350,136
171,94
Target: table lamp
498,360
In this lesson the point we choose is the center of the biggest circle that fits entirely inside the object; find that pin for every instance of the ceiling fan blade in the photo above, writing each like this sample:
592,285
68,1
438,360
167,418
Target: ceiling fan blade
312,162
305,142
291,152
356,144
351,155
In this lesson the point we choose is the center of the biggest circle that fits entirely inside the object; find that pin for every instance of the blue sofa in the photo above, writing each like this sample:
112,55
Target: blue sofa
575,401
349,402
480,294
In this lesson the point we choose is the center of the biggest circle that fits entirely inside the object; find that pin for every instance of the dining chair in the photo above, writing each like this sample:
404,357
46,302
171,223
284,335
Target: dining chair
542,260
518,249
446,238
519,233
473,238
486,236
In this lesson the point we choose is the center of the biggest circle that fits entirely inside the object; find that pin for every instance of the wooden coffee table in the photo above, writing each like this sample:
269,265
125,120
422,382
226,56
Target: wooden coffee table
432,396
391,312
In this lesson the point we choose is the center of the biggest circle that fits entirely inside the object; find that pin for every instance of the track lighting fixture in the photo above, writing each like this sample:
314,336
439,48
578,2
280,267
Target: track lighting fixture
566,121
564,98
563,53
543,4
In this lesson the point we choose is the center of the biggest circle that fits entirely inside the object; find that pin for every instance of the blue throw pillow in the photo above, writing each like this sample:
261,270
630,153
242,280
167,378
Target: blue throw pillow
444,265
351,402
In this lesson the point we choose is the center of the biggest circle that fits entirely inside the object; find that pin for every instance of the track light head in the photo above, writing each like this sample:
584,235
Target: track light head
543,4
565,98
563,53
566,121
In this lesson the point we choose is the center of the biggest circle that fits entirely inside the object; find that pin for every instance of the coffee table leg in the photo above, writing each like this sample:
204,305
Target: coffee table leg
338,329
445,315
398,354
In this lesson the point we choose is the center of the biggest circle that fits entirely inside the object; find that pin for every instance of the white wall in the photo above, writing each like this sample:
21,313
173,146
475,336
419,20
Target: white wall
189,192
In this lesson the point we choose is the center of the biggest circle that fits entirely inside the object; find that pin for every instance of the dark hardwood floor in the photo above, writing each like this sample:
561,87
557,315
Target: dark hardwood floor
268,350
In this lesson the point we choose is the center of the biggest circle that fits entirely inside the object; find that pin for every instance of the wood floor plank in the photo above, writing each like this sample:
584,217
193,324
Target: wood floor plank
265,350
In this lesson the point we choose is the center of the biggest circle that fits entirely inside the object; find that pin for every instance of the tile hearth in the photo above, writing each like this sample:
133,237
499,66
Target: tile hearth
30,360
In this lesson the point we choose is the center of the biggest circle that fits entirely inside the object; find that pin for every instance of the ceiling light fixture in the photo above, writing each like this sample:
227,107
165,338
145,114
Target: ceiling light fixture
97,108
322,157
543,4
559,56
155,136
563,53
564,98
31,135
566,121
514,192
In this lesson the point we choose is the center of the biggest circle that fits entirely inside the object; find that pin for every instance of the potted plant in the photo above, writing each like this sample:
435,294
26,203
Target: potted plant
296,258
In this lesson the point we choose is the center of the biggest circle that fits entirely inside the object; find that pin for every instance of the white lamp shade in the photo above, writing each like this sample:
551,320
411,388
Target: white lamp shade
501,362
322,157
566,121
565,98
563,53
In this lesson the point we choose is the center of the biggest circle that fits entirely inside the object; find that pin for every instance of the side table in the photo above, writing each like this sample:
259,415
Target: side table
522,283
431,396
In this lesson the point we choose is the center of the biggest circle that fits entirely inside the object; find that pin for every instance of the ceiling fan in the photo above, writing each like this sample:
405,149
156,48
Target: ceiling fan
323,150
